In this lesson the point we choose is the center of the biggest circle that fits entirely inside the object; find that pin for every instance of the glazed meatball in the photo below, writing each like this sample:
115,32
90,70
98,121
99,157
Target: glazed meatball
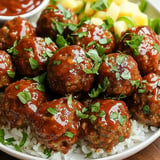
108,123
121,71
145,104
144,45
31,56
51,18
13,30
19,102
66,71
7,72
56,124
92,36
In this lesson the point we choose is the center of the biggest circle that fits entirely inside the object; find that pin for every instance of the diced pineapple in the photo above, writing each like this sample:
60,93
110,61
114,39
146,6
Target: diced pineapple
128,9
119,2
100,14
113,11
140,19
96,21
88,10
90,1
74,5
119,27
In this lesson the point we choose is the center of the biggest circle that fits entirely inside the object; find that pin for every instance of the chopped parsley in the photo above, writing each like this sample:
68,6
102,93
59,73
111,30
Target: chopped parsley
100,5
92,118
100,89
24,96
104,41
93,54
40,78
60,41
41,87
58,26
16,87
141,90
11,74
69,134
47,152
95,107
134,43
126,74
52,111
48,40
102,114
80,34
88,155
33,63
120,139
69,101
66,13
12,49
56,62
28,49
157,47
146,109
81,115
120,59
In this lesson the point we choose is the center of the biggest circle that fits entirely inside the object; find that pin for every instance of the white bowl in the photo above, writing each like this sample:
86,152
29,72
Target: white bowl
29,15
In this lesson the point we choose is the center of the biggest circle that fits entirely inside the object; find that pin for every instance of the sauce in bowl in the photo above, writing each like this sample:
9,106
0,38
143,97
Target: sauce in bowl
17,7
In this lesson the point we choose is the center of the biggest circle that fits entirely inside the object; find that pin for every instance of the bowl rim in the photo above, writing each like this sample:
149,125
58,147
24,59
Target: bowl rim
42,5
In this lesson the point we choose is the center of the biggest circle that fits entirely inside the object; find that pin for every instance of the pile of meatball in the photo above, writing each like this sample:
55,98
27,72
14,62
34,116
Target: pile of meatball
70,80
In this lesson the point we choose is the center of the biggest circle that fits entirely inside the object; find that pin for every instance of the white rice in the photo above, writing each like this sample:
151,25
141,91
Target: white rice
139,133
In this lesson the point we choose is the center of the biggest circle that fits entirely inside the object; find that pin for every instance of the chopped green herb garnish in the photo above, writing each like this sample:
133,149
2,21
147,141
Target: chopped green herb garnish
134,43
95,107
126,74
81,115
66,13
60,41
56,62
122,119
101,88
84,109
12,49
47,152
24,96
155,25
157,47
120,139
40,78
104,41
79,59
135,83
11,74
69,134
114,115
48,40
92,118
33,63
120,59
16,87
146,109
100,49
158,84
53,1
88,155
102,114
52,111
72,27
141,91
100,5
92,54
58,26
80,34
69,101
2,134
41,87
28,49
91,43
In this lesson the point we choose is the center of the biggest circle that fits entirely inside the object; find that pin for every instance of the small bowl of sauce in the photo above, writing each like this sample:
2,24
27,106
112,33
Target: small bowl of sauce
28,9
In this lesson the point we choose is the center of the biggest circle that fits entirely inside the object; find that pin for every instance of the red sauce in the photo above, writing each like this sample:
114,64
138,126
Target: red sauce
17,7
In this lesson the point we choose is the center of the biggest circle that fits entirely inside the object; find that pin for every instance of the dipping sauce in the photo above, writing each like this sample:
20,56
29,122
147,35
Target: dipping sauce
17,7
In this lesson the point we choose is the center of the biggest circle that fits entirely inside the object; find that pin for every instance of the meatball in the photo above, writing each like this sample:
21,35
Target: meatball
31,56
7,72
54,20
13,30
66,71
19,102
121,71
145,103
56,124
92,36
108,123
144,45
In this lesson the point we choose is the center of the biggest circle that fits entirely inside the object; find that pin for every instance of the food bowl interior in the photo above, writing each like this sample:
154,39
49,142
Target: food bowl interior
31,16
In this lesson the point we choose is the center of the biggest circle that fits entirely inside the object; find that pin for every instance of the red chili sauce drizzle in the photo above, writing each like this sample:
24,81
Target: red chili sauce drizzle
17,7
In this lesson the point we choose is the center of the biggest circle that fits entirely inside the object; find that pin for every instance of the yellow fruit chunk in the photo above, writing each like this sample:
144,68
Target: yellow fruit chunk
113,11
100,14
119,2
140,19
119,27
96,21
74,5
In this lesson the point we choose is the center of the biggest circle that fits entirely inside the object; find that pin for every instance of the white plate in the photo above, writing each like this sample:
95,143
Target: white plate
153,10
